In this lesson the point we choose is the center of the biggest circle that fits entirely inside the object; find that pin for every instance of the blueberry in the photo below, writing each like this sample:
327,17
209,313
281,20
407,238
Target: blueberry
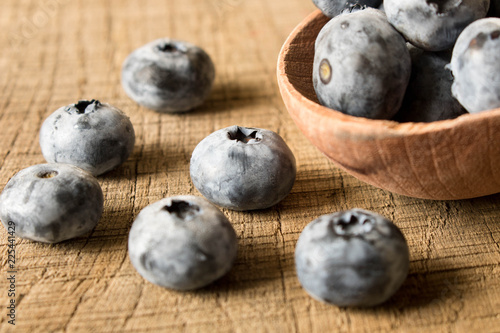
433,25
333,8
94,136
475,65
182,243
243,168
361,65
168,75
428,96
351,258
51,202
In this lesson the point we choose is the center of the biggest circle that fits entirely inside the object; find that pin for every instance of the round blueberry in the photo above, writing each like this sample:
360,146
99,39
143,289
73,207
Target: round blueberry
433,25
51,202
361,65
243,168
475,64
333,8
351,258
94,136
168,75
428,96
182,243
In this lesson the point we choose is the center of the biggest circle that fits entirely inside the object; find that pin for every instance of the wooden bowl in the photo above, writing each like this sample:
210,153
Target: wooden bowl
443,160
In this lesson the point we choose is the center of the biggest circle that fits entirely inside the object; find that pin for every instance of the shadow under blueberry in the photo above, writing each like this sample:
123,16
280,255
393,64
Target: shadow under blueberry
257,266
151,159
314,192
98,240
425,289
232,95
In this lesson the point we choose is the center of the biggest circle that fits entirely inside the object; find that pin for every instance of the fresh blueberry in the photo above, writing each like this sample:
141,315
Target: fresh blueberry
428,96
94,136
433,25
351,258
475,64
243,168
168,75
333,8
51,202
361,65
182,243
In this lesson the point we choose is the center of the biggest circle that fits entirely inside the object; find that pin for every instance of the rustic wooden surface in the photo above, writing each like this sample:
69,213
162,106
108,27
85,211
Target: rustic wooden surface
55,52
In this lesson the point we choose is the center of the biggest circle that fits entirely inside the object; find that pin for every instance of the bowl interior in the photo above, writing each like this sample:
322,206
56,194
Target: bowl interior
298,60
449,159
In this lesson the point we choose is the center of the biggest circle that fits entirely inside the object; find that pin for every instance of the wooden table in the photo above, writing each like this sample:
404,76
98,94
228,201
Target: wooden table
55,52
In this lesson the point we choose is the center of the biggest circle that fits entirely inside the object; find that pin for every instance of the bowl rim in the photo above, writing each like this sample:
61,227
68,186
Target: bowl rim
385,128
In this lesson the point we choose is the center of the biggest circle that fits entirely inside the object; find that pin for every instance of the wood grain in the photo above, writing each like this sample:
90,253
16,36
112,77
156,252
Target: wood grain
55,52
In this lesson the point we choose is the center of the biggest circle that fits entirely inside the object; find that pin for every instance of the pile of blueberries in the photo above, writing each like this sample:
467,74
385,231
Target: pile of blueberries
350,258
408,60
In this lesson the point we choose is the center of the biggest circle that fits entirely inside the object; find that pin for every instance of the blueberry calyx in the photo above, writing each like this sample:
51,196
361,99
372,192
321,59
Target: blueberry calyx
481,38
47,174
352,225
182,209
353,8
443,6
325,71
245,135
478,41
83,106
169,48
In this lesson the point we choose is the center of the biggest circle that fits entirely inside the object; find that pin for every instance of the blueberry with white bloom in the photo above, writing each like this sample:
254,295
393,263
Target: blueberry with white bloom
428,96
168,75
475,64
361,65
351,258
94,136
51,202
243,168
182,243
433,25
